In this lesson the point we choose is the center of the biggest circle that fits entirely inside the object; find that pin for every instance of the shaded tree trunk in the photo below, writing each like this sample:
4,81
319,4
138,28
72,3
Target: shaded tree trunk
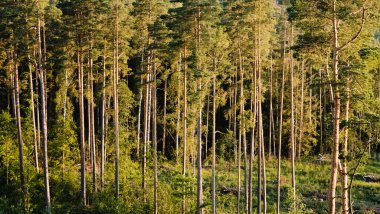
16,93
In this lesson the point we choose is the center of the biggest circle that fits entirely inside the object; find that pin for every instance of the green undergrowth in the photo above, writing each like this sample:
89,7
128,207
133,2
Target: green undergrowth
312,183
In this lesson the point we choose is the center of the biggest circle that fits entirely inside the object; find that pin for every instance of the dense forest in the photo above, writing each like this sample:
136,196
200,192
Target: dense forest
190,106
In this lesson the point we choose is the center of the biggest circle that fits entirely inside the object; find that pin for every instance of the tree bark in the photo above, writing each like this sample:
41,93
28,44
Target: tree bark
33,119
280,123
292,129
116,100
103,118
82,124
301,109
16,93
154,133
213,181
344,172
44,119
336,116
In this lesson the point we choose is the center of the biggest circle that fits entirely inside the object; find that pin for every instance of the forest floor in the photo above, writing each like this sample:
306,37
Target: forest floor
312,181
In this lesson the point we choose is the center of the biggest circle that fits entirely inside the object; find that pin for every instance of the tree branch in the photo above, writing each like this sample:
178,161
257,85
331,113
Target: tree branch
357,34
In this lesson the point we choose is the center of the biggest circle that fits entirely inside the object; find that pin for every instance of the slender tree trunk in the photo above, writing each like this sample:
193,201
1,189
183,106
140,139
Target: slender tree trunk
199,161
154,133
139,114
254,111
260,120
38,108
92,120
213,181
82,124
44,119
103,118
336,116
178,107
16,93
207,124
33,119
344,173
146,105
240,127
235,120
292,128
184,116
280,123
199,123
272,134
89,127
322,103
301,109
164,119
184,126
116,100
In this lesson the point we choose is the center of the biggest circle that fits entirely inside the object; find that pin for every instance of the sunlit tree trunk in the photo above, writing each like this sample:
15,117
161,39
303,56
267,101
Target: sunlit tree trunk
301,109
336,117
292,121
33,119
82,124
102,119
44,119
154,133
280,122
116,100
213,181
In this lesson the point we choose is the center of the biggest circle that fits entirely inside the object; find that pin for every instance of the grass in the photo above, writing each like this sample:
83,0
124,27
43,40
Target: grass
312,182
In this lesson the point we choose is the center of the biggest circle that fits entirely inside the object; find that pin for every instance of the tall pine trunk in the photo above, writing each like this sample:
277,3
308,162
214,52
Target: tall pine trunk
336,116
292,121
213,181
280,123
16,93
44,119
116,100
